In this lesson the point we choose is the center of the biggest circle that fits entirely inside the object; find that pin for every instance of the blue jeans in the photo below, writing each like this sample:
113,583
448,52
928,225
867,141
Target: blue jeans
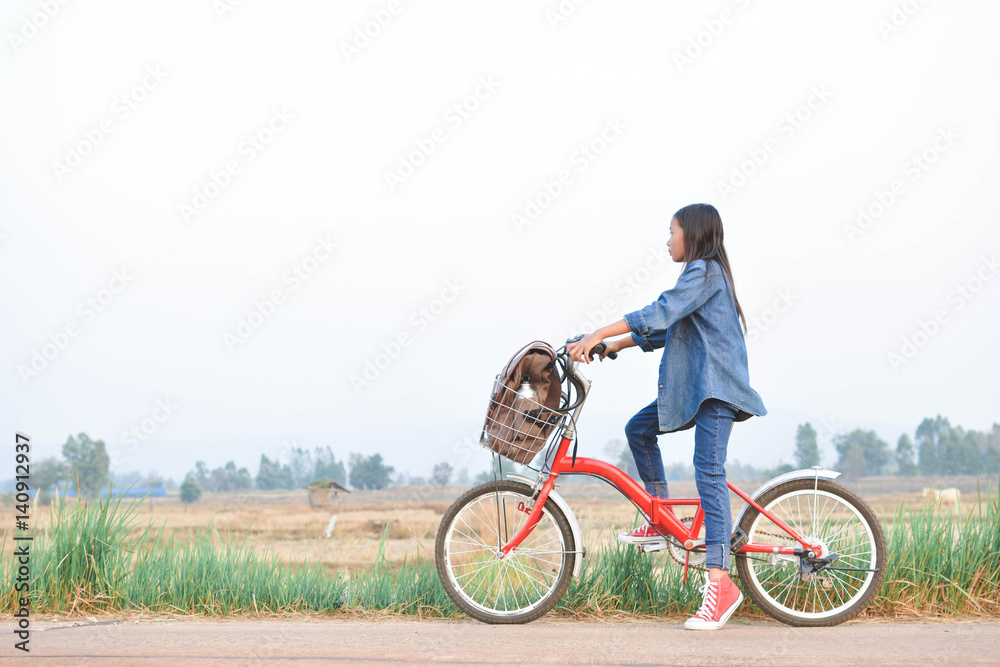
713,424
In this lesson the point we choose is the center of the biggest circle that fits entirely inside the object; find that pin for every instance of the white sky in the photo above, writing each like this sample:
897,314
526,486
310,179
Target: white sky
681,131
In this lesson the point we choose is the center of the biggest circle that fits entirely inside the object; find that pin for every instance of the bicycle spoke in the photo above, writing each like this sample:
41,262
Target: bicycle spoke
843,527
476,571
535,569
518,582
524,574
474,537
486,522
476,534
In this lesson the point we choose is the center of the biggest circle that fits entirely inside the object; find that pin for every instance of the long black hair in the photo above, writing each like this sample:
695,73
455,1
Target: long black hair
702,226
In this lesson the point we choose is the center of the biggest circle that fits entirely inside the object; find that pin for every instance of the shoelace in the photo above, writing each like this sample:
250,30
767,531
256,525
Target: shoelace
711,592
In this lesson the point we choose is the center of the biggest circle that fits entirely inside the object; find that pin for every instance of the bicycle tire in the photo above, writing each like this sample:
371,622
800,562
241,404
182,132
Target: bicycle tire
446,564
860,587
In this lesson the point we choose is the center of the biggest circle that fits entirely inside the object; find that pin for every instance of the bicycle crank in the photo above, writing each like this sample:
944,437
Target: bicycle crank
693,559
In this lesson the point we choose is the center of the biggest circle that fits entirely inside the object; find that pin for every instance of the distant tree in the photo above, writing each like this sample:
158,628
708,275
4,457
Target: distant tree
806,448
442,474
500,470
369,473
235,479
780,469
904,457
217,481
300,468
991,451
48,473
944,449
965,451
853,461
621,455
417,481
153,479
874,450
677,472
928,440
949,451
123,479
88,462
743,471
190,491
221,480
327,465
201,473
269,475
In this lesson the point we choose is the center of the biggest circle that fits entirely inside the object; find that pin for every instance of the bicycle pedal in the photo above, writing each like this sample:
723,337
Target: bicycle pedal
655,546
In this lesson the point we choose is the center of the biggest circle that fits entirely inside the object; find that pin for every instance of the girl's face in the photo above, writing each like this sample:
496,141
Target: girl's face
675,244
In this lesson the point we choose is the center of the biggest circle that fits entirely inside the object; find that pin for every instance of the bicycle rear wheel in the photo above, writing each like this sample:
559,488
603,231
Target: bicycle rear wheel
526,583
841,523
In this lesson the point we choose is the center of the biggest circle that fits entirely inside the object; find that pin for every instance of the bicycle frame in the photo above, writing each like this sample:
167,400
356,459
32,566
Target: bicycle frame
654,509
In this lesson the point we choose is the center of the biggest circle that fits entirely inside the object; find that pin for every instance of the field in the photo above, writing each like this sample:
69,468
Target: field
283,523
373,550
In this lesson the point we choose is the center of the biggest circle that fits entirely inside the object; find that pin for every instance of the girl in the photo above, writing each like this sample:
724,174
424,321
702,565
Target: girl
703,382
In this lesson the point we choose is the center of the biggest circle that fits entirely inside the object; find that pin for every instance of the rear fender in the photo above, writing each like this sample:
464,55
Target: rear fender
817,473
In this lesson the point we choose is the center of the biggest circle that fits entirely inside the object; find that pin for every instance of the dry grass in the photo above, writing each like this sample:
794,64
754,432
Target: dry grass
941,564
283,523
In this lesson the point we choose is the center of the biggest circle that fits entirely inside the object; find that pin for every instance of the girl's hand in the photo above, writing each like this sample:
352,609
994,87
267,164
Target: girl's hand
580,350
612,346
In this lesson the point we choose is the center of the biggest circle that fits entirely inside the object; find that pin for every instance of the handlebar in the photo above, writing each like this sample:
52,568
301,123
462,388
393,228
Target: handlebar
597,349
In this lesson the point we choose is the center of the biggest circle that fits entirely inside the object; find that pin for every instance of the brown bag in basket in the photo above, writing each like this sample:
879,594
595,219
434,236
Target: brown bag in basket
517,427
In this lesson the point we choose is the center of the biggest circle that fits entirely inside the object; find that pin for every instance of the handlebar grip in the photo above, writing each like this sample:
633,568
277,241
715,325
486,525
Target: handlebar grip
599,349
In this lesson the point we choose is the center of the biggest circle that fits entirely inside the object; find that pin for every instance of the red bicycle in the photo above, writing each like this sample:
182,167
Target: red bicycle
808,551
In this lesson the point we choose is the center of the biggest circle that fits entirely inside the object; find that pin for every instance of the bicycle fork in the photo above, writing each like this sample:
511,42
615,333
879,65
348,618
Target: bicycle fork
535,515
533,518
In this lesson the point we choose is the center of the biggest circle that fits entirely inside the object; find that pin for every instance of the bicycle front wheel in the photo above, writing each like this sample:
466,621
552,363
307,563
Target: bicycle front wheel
526,583
826,514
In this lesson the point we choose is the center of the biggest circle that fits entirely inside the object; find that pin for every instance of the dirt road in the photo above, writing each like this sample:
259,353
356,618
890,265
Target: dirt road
548,641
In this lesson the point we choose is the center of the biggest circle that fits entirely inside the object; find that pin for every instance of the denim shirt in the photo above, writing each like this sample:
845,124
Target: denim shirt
704,354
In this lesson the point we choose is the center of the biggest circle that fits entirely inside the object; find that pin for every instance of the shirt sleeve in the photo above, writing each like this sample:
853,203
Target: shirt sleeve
649,325
653,341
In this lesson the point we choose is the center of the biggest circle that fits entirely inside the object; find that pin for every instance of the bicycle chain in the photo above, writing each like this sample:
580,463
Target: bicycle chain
687,521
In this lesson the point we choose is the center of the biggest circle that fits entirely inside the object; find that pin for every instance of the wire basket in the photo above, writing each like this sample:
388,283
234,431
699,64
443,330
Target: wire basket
517,427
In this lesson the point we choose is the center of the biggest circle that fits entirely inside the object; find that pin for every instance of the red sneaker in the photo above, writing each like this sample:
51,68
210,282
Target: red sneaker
722,597
647,534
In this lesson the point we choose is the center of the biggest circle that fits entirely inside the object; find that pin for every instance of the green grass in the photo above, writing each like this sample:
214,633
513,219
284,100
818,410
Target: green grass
939,564
88,561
